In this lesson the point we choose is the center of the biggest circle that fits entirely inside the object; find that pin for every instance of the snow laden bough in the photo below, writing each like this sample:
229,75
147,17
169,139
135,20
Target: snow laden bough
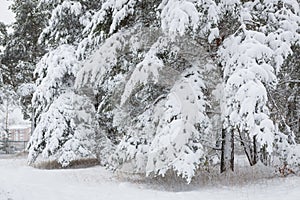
171,134
61,133
185,127
251,59
178,142
65,132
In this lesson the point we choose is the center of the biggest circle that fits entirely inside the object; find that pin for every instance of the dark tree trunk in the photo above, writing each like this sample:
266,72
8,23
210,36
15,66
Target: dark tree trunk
227,154
255,156
250,148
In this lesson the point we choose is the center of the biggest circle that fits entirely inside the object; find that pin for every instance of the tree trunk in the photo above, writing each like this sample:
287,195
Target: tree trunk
250,148
6,145
227,154
255,156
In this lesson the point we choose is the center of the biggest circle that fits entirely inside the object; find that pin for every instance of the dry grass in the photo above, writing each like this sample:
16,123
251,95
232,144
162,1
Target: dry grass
242,175
76,164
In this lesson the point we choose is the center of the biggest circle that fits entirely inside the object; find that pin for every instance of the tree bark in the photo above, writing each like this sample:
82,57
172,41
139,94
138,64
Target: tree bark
255,156
227,154
250,147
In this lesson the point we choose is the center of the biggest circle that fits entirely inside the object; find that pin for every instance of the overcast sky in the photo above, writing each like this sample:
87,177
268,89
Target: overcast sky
6,15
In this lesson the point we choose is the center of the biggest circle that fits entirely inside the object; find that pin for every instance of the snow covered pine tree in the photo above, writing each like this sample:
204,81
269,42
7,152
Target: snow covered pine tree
64,120
151,103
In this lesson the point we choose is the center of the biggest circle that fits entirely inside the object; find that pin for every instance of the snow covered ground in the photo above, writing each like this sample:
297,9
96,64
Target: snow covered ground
21,182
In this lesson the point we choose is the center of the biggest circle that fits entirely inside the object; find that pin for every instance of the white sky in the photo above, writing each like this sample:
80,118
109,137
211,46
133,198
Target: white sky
6,15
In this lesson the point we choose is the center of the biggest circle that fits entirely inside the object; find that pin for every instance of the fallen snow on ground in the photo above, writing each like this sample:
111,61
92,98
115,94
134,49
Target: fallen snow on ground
21,182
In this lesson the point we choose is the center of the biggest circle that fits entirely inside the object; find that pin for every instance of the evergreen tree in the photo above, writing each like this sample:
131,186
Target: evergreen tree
67,20
56,73
22,50
65,132
285,98
251,57
3,35
152,69
64,127
164,84
183,129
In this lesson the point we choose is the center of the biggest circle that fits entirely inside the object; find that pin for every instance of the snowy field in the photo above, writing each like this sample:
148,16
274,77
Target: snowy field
21,182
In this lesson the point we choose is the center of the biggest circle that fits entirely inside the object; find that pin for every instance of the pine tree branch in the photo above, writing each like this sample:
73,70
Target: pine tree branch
289,81
279,113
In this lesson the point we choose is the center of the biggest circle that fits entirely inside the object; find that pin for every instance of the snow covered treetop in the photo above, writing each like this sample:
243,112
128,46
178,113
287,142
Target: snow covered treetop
64,25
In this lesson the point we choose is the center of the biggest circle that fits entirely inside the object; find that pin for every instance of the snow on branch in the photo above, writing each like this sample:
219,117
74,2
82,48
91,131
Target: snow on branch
102,61
54,72
146,70
177,16
57,29
65,132
118,9
177,144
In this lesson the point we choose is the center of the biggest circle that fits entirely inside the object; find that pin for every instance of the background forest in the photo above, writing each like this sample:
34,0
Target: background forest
156,86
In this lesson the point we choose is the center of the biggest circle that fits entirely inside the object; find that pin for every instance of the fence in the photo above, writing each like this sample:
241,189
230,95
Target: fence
11,147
